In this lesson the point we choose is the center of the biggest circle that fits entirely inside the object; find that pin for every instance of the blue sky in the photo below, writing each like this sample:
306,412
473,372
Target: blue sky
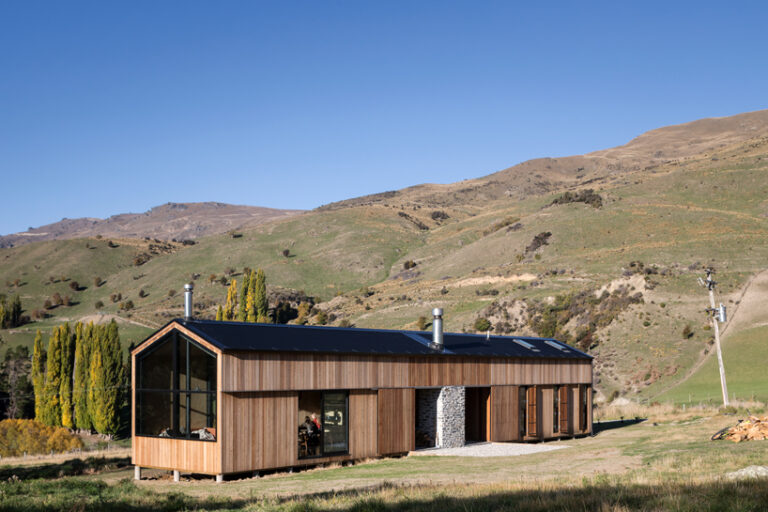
113,107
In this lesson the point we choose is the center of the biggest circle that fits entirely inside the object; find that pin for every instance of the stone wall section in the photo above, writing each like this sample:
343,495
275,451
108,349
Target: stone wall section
426,417
451,405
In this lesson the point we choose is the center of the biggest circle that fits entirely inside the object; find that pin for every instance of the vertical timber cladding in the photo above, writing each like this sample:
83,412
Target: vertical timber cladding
363,423
396,420
563,412
546,414
259,430
532,414
504,414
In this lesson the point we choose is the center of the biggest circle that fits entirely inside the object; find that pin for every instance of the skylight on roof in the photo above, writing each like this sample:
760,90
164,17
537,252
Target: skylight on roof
526,345
558,346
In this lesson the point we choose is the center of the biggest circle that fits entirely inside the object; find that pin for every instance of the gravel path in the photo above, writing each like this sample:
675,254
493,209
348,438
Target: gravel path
488,450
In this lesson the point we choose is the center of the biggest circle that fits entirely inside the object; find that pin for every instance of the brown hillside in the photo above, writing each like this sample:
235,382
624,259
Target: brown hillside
169,221
543,175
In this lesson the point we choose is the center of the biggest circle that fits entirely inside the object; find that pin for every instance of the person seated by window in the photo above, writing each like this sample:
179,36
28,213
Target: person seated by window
313,434
316,422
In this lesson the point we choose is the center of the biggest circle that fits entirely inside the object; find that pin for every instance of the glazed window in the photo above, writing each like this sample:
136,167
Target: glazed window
324,423
176,390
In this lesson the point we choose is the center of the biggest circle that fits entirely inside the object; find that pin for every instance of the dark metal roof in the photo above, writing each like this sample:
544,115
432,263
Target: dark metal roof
238,336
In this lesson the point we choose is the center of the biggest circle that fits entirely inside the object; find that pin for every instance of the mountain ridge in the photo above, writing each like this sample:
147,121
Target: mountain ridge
165,222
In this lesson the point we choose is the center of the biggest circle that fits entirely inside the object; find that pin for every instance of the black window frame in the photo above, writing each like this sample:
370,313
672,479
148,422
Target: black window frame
177,392
322,453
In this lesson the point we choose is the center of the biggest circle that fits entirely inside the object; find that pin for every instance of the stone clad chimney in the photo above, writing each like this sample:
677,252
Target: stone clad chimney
437,329
188,304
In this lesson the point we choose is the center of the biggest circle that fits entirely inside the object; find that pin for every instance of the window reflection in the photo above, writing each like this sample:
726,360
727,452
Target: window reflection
323,429
177,391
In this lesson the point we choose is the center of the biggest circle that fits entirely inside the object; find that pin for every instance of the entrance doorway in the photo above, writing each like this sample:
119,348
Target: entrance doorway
477,413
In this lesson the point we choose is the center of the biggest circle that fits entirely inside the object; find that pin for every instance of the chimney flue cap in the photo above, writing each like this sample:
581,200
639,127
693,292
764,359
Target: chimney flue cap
437,312
189,287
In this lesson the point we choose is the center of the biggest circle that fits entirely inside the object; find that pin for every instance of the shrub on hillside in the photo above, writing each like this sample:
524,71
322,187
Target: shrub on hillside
482,324
509,221
32,437
439,215
587,196
99,304
538,241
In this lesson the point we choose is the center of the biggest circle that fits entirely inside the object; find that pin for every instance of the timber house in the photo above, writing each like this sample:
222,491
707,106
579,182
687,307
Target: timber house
221,398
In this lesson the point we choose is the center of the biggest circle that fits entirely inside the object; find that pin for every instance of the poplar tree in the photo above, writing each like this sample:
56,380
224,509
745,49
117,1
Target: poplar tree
260,297
38,375
219,314
83,335
67,367
51,411
242,309
251,306
231,305
106,373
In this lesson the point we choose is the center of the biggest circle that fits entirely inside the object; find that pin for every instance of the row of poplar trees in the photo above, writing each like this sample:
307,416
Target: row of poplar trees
252,305
78,381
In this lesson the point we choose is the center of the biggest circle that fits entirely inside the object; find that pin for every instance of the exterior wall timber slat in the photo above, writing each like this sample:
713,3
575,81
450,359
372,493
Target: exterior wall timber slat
260,431
254,371
505,413
363,423
181,454
396,420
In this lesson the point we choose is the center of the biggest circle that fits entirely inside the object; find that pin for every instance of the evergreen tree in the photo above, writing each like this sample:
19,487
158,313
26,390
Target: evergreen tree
16,310
3,314
14,381
260,297
231,306
83,335
219,314
38,375
242,310
106,376
51,411
67,364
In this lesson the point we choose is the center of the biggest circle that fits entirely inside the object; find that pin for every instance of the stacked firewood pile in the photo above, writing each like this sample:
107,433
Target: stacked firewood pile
752,429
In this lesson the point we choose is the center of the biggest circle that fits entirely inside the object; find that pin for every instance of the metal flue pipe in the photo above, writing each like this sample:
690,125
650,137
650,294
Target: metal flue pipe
437,329
188,304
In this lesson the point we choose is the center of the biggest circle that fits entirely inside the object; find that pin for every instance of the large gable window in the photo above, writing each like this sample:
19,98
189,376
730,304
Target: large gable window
176,390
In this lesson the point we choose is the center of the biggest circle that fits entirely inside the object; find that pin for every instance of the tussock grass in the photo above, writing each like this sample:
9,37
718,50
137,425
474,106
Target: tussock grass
602,493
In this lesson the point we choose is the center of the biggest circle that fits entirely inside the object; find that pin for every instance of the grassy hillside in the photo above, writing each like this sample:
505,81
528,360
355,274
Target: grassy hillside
744,357
658,226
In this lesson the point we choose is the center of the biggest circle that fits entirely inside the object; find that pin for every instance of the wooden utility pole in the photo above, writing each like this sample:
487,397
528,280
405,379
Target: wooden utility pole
718,315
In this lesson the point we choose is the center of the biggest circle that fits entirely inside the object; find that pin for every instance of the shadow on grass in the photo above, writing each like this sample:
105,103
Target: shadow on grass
614,424
71,467
86,495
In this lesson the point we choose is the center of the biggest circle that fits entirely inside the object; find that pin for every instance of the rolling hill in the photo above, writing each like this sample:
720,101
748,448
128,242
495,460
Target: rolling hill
611,265
178,221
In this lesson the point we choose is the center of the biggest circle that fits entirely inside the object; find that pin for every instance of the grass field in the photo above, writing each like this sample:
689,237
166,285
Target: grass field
664,463
745,358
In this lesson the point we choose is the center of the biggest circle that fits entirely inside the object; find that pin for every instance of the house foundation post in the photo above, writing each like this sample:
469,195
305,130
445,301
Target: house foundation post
137,472
176,475
219,478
